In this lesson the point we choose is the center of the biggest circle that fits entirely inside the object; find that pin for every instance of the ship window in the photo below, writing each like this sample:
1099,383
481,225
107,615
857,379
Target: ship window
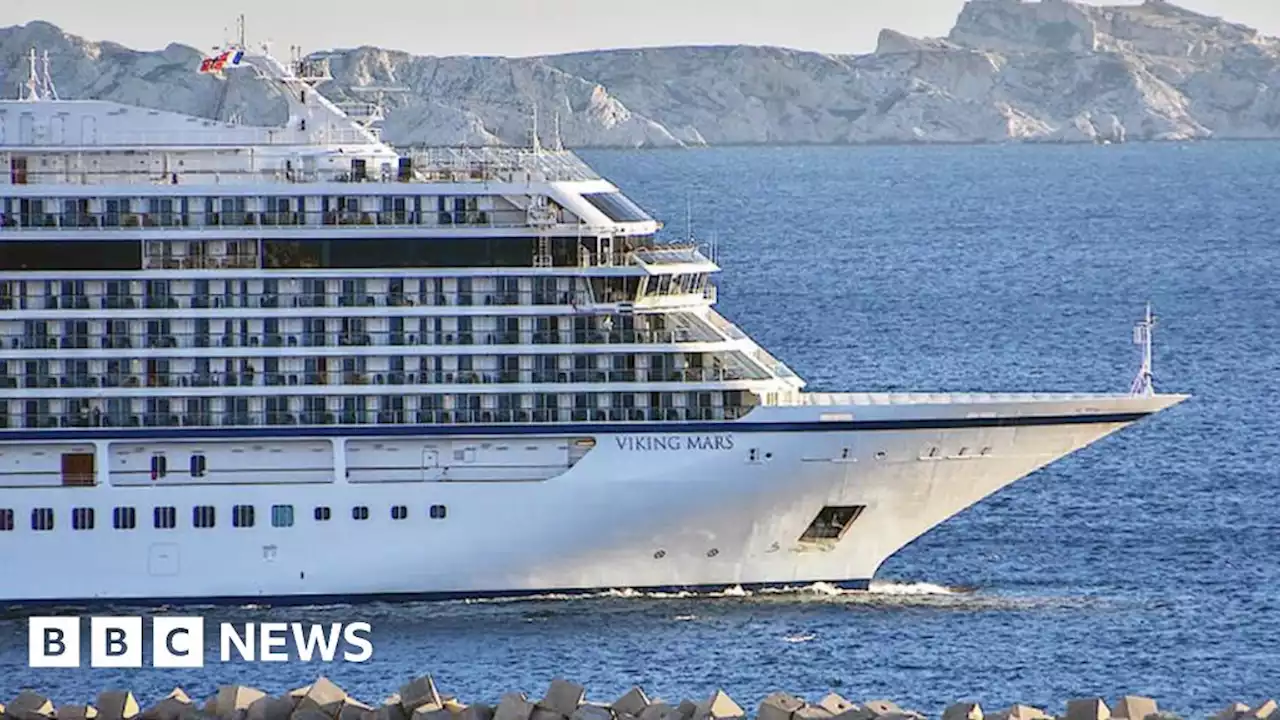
832,522
242,516
281,516
159,467
42,519
124,518
322,514
164,518
399,512
6,519
38,255
203,516
82,518
616,206
438,512
198,466
360,512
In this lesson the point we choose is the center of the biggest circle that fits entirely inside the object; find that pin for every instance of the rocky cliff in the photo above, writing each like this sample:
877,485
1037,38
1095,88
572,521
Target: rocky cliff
1009,70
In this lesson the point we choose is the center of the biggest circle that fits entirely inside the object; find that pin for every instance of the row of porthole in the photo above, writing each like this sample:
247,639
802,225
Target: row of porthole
964,451
933,453
663,553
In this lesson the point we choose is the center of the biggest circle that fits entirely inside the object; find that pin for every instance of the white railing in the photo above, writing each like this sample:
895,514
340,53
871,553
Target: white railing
499,164
924,398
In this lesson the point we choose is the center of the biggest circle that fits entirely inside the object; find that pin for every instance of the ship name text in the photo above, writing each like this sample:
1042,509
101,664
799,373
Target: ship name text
652,443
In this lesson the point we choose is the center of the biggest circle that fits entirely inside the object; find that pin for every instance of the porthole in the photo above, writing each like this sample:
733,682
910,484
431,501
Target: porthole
713,552
660,554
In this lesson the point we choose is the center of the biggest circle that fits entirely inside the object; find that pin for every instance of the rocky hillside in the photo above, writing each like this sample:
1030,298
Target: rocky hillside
1009,70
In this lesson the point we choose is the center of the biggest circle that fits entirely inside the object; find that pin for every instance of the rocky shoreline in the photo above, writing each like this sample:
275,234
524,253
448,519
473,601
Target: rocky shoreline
564,700
1009,71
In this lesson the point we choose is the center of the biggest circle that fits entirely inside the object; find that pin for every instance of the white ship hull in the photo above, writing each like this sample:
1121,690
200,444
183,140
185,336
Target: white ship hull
699,505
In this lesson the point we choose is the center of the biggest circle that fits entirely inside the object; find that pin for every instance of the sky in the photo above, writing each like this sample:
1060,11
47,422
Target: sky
529,27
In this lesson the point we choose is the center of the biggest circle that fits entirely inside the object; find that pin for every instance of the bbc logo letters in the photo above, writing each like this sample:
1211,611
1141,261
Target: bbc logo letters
179,642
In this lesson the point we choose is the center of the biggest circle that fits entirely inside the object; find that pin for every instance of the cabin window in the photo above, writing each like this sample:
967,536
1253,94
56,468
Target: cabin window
281,516
360,512
159,467
242,516
77,469
198,466
832,522
203,516
437,512
399,512
42,519
6,519
165,518
323,514
124,518
82,518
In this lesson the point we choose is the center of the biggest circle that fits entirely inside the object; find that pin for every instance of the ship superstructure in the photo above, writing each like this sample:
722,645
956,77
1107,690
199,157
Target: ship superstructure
294,362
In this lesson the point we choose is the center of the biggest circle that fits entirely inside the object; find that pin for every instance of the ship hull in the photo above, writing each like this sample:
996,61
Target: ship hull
693,506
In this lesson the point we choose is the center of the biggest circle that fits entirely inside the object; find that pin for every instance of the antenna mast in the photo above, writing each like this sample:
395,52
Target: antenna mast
1142,384
33,84
688,214
537,144
50,92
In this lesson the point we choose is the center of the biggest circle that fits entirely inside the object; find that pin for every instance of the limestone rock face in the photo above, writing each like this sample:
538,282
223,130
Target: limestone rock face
1009,70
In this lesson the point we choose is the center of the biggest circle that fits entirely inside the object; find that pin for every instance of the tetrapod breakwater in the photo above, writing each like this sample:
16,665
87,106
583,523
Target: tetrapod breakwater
419,699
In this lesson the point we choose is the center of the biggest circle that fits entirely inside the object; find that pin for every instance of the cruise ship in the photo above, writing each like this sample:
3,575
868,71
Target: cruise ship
296,364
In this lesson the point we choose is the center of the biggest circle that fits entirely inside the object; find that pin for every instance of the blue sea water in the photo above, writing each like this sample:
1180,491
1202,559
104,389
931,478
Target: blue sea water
1148,563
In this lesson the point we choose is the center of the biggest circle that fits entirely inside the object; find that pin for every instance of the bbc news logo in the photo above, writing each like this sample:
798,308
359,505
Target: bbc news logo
179,642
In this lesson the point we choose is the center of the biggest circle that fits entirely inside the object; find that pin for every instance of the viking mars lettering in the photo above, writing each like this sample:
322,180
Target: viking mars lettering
650,443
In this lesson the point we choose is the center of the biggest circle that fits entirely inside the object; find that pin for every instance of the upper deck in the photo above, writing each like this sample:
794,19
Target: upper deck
49,141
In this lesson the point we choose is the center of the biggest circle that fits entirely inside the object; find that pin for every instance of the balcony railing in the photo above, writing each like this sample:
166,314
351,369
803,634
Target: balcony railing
175,418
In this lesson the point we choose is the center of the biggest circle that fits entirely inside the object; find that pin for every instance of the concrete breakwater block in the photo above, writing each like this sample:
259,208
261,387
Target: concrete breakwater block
779,706
657,710
842,709
1087,709
963,711
591,711
718,707
1135,707
353,709
419,692
632,703
324,697
477,711
117,705
174,706
269,707
1241,711
29,705
420,699
1020,712
77,712
513,706
563,697
232,702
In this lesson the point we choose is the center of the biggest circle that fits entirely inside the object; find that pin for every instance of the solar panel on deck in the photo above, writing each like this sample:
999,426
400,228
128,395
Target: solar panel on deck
617,207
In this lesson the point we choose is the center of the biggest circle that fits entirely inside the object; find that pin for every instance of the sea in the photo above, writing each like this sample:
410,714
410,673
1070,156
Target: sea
1148,563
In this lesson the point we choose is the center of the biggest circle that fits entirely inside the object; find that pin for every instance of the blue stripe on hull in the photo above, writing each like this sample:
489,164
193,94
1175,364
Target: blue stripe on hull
296,600
285,431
